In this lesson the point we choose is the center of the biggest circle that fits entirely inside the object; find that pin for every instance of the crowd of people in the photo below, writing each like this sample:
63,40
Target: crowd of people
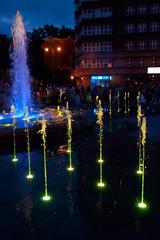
79,97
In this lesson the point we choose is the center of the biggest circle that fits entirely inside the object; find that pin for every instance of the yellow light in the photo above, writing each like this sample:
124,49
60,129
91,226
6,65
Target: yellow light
59,49
69,133
100,184
72,77
46,49
139,172
70,169
15,160
46,198
100,161
142,205
29,176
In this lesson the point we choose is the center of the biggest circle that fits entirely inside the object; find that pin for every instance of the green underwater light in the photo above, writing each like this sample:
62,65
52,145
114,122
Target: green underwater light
30,176
142,205
46,198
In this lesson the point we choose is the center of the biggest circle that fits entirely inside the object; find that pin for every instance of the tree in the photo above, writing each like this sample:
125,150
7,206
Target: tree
4,52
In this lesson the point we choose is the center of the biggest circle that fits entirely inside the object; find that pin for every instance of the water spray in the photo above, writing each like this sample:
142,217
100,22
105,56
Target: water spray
142,204
27,121
100,161
46,197
69,133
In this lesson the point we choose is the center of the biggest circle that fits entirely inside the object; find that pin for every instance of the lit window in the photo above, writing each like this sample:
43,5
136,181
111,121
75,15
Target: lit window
130,11
142,27
154,44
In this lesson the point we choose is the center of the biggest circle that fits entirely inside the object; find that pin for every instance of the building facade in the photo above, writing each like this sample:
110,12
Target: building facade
116,41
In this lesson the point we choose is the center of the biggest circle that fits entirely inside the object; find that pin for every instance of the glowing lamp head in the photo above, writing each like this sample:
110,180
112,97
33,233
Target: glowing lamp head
72,77
46,49
59,49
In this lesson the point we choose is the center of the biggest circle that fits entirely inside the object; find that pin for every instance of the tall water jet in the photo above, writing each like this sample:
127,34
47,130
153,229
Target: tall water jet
46,197
110,104
100,161
69,133
27,122
142,204
21,90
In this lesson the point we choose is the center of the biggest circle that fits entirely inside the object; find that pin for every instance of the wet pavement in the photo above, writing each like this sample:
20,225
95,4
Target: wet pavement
79,210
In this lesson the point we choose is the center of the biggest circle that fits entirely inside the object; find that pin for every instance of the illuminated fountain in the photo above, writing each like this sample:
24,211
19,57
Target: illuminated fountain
15,159
125,103
21,90
110,104
139,142
118,103
69,133
142,204
128,101
100,161
59,112
46,197
27,121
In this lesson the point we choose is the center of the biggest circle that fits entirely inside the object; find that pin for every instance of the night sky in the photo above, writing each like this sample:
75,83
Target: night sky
37,13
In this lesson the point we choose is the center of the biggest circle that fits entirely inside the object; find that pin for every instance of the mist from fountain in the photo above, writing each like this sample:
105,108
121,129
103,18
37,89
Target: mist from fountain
21,89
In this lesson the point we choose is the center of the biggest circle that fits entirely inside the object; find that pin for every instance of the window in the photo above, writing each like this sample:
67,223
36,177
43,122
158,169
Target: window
140,62
107,12
154,44
142,27
129,45
107,47
97,30
97,47
97,63
154,27
153,62
141,45
130,11
155,8
129,62
142,10
106,29
129,28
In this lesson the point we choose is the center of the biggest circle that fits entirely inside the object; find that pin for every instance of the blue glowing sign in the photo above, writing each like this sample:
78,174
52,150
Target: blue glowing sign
105,77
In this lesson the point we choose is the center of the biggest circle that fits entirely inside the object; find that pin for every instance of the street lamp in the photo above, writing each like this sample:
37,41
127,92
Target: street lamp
59,49
46,49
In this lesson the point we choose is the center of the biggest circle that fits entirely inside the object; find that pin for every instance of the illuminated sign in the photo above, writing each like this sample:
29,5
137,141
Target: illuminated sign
104,77
153,70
